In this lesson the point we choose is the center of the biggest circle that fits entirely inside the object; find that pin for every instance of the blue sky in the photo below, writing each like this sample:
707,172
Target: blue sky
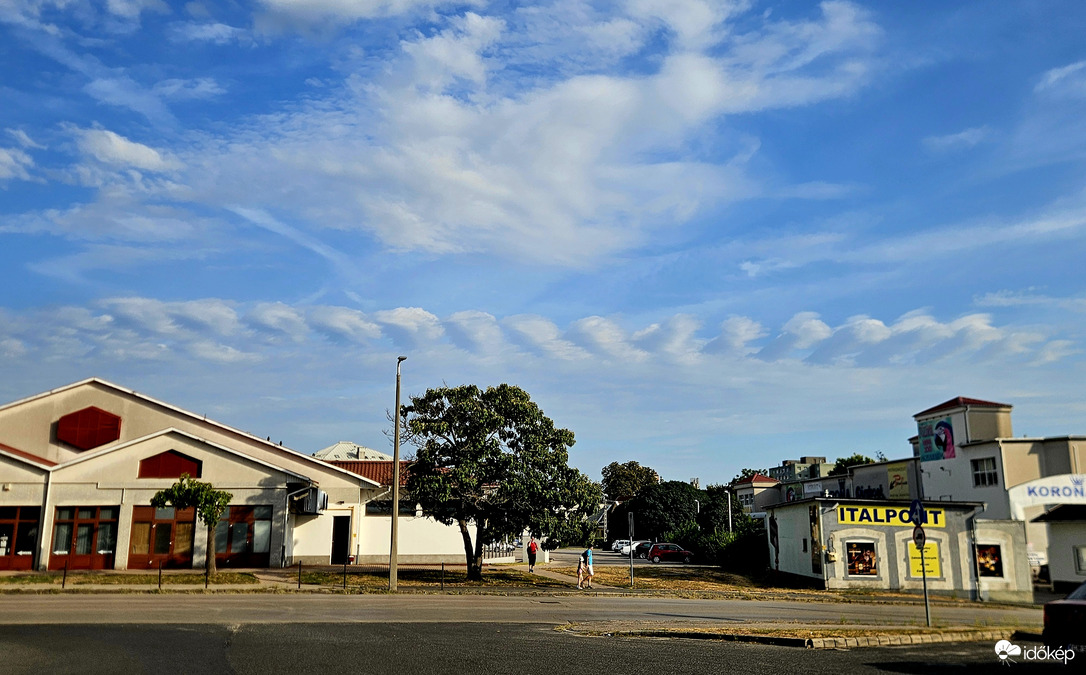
703,235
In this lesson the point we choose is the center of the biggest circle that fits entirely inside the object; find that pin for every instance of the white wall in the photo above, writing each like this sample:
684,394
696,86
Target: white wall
419,539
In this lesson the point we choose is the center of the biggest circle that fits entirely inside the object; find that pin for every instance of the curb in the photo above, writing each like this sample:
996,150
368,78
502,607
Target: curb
834,642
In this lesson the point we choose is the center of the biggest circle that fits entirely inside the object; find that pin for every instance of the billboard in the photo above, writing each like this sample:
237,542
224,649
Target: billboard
936,440
897,480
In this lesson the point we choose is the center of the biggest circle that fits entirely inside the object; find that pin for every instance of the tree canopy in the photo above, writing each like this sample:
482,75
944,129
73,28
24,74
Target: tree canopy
844,463
665,507
626,481
747,473
493,459
209,503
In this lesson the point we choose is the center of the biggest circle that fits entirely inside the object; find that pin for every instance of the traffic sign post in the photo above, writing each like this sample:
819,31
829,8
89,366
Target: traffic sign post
920,540
630,522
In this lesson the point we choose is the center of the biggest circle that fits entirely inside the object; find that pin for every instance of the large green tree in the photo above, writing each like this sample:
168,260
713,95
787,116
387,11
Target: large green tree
665,507
624,481
493,459
209,503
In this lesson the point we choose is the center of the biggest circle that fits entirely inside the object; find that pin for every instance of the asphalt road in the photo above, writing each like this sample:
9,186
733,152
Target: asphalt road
425,648
180,609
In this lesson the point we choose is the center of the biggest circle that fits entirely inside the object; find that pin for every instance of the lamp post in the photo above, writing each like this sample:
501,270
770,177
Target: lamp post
392,552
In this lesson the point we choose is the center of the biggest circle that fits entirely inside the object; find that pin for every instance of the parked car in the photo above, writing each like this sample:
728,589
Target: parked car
625,550
661,552
642,549
619,543
1065,620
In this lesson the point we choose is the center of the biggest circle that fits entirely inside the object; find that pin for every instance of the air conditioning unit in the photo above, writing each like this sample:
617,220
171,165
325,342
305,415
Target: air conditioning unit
312,502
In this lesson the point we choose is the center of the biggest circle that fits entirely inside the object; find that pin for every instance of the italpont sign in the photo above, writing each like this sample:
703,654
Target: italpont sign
886,515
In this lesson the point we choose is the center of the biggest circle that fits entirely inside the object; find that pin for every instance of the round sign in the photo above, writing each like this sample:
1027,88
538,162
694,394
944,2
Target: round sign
919,537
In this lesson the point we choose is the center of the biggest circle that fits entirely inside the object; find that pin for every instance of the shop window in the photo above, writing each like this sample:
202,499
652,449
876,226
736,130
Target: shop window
169,464
1080,560
18,536
989,560
88,534
862,560
984,472
243,536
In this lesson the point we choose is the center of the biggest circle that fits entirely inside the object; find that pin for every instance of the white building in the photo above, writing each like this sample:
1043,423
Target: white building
79,465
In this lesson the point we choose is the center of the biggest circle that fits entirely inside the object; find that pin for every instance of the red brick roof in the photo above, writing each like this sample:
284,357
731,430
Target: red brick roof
26,455
378,470
756,478
961,402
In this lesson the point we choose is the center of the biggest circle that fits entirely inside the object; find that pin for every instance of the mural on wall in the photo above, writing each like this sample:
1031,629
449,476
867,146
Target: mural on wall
816,540
793,492
897,477
936,440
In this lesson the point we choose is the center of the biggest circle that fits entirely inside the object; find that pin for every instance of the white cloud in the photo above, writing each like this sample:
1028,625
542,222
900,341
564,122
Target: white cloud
214,33
278,318
1069,81
410,326
349,11
342,322
604,337
736,334
475,331
24,139
114,149
961,140
14,164
543,335
200,88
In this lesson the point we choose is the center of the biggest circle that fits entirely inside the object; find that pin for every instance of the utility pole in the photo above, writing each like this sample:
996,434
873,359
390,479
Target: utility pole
393,553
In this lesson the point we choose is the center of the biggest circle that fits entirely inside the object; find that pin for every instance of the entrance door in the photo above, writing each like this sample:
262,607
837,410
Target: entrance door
341,539
18,536
161,536
84,537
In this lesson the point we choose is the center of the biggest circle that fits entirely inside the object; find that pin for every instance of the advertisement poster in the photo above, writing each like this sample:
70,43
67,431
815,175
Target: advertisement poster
931,560
861,559
897,477
793,492
936,440
989,560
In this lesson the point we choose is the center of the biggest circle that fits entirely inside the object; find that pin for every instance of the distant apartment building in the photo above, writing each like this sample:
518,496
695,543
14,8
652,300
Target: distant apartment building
800,469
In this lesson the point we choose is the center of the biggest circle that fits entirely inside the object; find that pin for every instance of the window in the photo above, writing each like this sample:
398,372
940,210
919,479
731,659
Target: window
384,508
1080,560
984,472
85,531
169,464
861,559
989,560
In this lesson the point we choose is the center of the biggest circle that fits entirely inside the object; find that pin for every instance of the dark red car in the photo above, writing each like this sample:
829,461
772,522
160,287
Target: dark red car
661,552
1065,620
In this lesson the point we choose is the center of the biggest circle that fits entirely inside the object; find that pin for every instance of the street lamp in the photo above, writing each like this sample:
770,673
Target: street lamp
392,552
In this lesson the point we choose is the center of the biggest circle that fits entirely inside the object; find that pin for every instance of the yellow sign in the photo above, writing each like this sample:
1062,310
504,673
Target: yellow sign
897,478
931,560
891,516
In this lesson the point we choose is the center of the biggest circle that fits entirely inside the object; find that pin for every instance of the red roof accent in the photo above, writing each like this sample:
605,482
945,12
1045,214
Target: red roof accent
961,402
26,455
379,470
88,428
757,478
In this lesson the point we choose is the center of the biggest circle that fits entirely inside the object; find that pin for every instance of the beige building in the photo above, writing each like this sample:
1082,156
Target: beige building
79,465
968,451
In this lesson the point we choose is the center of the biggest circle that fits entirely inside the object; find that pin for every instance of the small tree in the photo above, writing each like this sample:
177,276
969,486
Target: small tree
209,503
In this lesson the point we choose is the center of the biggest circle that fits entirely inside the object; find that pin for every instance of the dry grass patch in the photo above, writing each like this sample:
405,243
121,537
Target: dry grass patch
367,580
707,579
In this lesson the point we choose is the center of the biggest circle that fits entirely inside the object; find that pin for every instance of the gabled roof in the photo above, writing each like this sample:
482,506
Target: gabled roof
308,459
91,456
26,456
376,470
348,451
961,402
758,479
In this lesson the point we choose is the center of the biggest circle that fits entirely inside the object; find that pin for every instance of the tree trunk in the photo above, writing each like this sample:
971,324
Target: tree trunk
209,562
474,563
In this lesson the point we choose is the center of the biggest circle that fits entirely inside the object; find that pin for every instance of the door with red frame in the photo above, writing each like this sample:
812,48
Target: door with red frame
18,536
84,537
243,537
161,537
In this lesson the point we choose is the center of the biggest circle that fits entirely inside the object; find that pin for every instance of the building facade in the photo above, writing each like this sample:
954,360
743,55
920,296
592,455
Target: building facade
79,465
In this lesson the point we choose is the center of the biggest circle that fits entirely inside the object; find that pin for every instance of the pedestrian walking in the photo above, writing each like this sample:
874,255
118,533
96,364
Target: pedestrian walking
533,549
584,569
